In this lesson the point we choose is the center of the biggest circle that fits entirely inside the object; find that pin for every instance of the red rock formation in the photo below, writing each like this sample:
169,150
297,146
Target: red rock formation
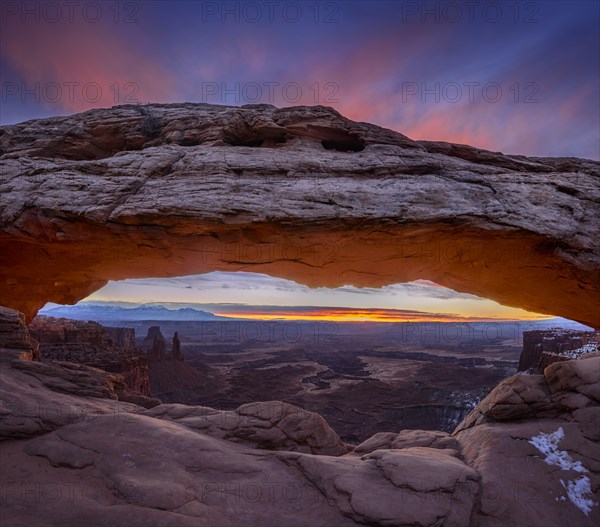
282,192
543,347
109,349
527,455
171,380
176,353
155,345
15,342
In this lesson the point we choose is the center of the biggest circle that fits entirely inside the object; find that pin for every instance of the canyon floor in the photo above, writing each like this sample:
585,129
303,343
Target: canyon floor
362,377
77,449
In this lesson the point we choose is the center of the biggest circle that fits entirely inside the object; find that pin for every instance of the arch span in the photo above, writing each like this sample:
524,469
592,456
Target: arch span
93,197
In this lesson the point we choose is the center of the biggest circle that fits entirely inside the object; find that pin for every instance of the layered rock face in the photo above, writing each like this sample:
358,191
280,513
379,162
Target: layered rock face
38,397
171,380
543,347
301,193
176,353
155,345
110,349
15,342
527,455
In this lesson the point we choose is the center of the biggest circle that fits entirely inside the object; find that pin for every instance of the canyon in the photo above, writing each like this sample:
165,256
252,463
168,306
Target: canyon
363,378
74,452
110,349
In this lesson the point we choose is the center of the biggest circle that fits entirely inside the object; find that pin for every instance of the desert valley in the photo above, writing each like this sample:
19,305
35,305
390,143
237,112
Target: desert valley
363,378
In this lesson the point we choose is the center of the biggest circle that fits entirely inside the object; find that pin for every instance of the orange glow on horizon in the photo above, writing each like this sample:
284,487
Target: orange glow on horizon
375,315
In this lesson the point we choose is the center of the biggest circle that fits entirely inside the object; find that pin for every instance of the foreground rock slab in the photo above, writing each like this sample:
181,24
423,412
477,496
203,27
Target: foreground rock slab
72,453
272,425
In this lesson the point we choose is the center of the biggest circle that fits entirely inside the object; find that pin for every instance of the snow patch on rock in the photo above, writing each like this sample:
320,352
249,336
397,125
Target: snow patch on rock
579,352
579,489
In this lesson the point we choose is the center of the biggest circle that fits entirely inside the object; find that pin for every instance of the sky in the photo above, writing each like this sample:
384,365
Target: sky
259,296
513,76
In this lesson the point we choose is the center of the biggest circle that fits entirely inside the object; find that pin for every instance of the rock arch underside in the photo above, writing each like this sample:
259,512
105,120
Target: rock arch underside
168,190
306,194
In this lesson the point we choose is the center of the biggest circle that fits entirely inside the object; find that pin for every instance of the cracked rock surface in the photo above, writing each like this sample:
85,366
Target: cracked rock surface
301,193
73,454
273,425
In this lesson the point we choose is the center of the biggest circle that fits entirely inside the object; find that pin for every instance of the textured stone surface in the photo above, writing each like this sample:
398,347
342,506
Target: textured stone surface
110,349
301,193
272,425
406,439
36,397
542,347
414,486
15,341
581,376
75,455
565,386
519,484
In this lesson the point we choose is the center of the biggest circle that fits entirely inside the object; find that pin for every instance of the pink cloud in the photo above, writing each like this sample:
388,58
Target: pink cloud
74,53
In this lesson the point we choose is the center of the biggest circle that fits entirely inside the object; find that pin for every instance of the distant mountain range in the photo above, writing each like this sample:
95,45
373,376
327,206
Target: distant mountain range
104,312
146,312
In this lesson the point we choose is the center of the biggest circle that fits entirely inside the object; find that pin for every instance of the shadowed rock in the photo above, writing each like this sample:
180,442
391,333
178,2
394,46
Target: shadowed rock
155,344
176,353
15,341
90,343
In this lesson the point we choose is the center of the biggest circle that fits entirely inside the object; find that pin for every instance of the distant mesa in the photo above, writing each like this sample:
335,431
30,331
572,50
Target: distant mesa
544,347
91,344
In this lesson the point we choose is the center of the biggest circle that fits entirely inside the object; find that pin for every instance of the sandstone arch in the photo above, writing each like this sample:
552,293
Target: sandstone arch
301,193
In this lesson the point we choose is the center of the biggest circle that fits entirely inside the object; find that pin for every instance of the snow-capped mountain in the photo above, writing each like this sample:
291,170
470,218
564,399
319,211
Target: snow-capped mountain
89,311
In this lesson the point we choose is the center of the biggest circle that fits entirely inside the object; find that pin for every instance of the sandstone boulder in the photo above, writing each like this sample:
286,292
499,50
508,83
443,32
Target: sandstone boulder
272,425
581,376
566,386
527,427
413,486
407,439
